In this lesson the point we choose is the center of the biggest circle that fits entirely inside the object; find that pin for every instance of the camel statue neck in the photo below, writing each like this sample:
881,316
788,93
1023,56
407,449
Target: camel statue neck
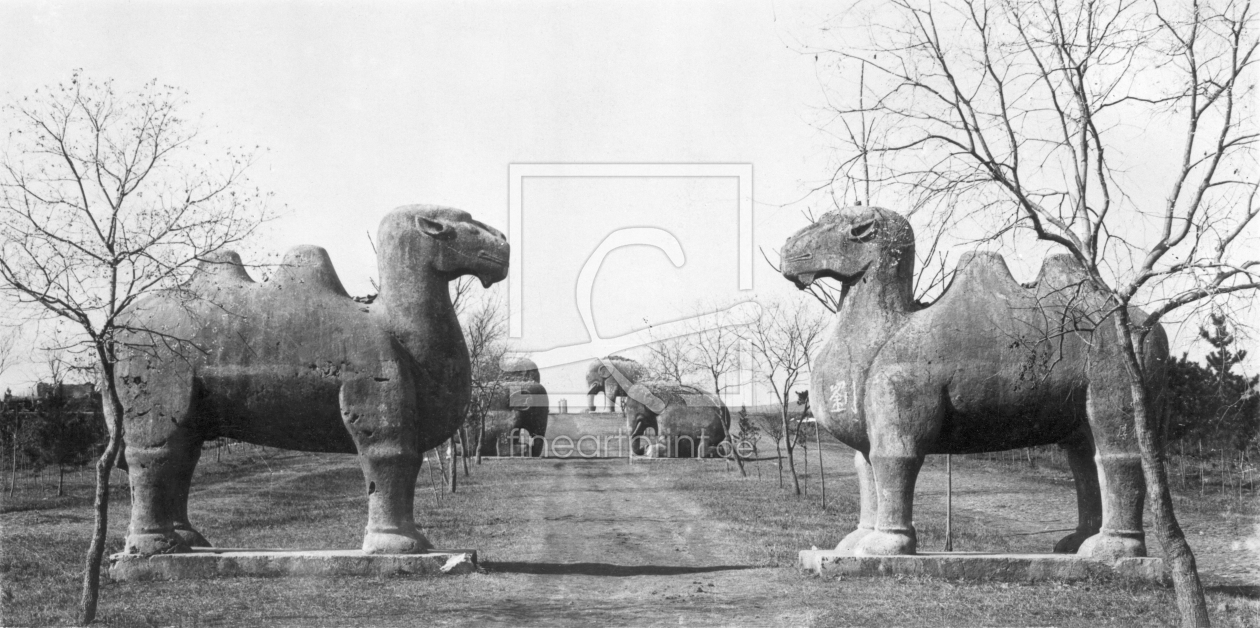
887,287
412,292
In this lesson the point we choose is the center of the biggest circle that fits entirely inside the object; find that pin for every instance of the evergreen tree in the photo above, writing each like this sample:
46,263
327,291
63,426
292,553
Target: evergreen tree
1222,359
1211,403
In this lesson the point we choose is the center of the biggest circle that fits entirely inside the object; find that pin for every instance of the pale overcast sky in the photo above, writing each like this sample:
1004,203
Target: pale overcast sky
368,106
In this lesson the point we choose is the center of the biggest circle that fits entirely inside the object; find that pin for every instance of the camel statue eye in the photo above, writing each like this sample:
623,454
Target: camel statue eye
437,229
863,232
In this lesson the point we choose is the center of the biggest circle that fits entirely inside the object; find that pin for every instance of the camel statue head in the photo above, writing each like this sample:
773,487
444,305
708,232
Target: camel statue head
443,241
852,245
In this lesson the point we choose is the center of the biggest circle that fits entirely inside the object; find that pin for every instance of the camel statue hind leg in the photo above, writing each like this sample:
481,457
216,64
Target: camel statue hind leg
992,365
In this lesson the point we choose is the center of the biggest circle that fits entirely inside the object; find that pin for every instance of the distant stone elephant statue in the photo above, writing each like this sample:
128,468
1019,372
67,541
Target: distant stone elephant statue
296,363
516,406
691,422
612,376
989,366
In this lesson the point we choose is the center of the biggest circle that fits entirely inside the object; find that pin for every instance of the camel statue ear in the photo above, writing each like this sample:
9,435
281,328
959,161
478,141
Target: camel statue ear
435,229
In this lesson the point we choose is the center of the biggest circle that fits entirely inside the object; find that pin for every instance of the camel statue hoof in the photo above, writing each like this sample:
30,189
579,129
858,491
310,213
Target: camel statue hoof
849,543
155,543
1110,545
393,543
886,543
1072,542
191,537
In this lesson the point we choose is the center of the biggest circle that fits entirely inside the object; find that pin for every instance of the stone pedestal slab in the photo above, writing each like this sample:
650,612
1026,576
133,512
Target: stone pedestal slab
229,562
984,566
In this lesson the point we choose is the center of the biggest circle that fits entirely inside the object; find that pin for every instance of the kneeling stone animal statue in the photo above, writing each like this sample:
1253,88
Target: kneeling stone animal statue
296,363
991,365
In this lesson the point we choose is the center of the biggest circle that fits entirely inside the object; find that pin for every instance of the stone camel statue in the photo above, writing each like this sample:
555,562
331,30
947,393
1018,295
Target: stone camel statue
991,365
601,378
296,363
692,421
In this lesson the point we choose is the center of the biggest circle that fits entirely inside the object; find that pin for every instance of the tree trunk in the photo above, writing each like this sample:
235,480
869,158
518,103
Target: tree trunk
805,466
1186,586
437,495
778,460
13,474
787,437
437,453
61,479
481,435
463,446
450,452
730,438
113,411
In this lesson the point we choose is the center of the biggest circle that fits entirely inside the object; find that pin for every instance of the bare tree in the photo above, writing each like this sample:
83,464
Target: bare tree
106,198
8,345
714,353
485,332
1121,132
669,359
782,341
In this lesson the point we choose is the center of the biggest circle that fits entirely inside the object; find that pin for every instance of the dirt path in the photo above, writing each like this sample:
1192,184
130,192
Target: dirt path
618,543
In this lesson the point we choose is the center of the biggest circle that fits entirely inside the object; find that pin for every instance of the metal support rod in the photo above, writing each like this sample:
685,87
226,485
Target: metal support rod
949,504
822,475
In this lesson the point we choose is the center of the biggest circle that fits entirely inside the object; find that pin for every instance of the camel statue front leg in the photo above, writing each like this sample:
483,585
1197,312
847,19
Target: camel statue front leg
870,503
1119,466
902,419
1079,448
151,472
379,413
162,452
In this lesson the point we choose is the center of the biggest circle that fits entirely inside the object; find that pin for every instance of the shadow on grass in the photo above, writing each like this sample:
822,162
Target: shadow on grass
603,569
1251,592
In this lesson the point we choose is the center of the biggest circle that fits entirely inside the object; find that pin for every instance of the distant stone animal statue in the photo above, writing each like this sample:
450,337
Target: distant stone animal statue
520,370
691,421
612,376
991,365
516,406
296,363
802,399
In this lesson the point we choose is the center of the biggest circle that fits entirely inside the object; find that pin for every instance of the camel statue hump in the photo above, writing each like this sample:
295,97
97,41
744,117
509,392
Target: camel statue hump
1059,271
223,268
981,273
308,267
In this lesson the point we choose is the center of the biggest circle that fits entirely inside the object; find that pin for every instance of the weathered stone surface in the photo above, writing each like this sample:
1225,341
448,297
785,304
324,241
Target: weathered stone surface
991,365
222,563
612,376
689,422
296,363
982,567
